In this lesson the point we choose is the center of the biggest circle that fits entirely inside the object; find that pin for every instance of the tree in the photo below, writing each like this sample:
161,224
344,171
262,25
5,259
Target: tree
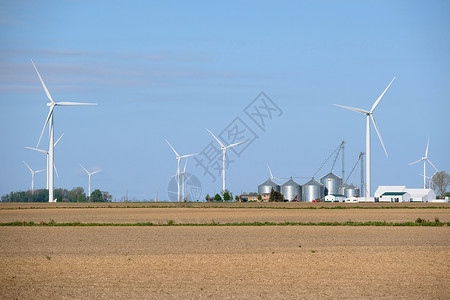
207,197
227,196
440,182
106,197
259,198
217,197
275,196
96,196
236,198
75,193
81,198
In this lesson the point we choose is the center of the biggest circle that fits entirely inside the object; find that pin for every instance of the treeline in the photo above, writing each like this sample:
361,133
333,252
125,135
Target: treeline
77,194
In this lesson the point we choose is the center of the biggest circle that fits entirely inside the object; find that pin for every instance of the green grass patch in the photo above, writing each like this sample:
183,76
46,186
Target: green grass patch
52,223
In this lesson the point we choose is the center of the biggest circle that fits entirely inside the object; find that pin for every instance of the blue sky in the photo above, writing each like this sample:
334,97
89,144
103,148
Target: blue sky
169,69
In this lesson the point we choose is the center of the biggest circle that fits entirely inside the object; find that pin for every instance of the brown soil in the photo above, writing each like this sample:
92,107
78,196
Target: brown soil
116,213
270,262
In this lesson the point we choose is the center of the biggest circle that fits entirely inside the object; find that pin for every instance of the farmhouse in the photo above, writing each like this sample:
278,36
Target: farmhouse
248,198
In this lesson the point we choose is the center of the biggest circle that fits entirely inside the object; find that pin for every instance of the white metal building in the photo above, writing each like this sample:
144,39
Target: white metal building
389,188
334,198
395,197
416,195
422,195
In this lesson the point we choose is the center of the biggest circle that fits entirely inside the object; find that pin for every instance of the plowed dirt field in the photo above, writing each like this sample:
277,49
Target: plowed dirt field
240,262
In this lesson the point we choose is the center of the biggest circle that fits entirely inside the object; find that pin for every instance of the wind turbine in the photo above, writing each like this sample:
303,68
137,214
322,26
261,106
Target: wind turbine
49,120
179,157
32,176
369,115
92,173
224,151
425,159
183,191
46,154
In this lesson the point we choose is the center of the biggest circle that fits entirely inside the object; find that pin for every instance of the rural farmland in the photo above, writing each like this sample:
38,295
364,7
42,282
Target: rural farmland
245,262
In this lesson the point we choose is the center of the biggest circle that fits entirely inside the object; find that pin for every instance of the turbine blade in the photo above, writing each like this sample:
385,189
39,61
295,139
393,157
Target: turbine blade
354,109
176,153
235,144
58,140
381,96
428,143
43,84
96,172
39,171
84,169
432,165
28,167
39,150
56,171
189,155
45,124
417,161
378,132
185,164
73,103
216,138
271,176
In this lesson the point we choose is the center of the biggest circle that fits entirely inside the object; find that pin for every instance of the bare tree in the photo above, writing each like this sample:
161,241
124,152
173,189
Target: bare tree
440,182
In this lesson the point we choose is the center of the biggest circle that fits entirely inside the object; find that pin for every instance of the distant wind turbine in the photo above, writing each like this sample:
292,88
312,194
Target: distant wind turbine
425,159
179,158
49,120
46,154
32,176
369,115
90,173
224,151
183,191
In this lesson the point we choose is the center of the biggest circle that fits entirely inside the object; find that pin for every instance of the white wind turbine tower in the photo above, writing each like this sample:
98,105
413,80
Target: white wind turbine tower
179,158
90,173
32,176
224,151
369,115
49,120
183,191
46,154
425,159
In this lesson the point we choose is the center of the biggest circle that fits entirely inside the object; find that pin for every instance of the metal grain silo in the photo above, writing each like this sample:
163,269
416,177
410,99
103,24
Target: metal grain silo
342,189
312,190
351,191
290,190
267,186
331,182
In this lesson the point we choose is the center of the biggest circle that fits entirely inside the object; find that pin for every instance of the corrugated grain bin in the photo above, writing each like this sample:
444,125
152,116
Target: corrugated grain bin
291,189
331,182
312,190
267,186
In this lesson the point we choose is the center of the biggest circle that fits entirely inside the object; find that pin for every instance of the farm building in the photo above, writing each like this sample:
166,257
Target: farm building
334,198
422,195
248,198
416,195
395,197
353,199
388,188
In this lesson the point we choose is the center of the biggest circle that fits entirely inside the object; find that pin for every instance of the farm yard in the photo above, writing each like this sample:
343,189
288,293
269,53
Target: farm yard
241,262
